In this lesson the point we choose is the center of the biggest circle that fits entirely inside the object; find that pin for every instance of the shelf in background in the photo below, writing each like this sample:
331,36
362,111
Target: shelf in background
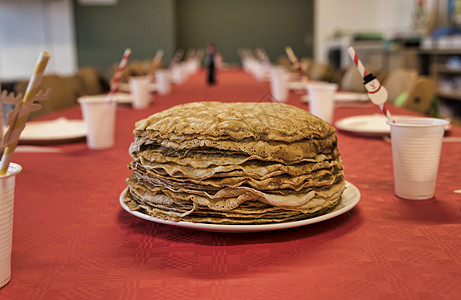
440,68
455,95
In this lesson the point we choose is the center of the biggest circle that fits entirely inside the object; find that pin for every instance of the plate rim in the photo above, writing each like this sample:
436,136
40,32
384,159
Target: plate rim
339,124
78,135
362,98
125,87
351,189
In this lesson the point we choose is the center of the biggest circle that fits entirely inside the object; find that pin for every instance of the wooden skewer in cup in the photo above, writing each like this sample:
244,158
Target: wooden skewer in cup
19,121
296,63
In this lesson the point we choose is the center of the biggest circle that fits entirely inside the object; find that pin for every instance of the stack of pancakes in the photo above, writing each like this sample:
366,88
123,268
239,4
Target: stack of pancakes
234,163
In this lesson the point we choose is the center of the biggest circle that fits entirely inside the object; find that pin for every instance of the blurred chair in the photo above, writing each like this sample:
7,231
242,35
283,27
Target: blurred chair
305,64
320,71
76,83
399,81
93,80
139,68
421,96
351,80
62,94
338,74
285,62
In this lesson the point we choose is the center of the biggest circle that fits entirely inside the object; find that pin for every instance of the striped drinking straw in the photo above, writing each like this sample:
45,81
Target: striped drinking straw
115,81
19,122
364,73
294,60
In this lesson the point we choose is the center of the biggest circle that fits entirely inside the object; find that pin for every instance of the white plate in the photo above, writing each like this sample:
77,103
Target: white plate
125,87
54,131
344,97
350,198
122,98
297,86
370,125
351,97
367,125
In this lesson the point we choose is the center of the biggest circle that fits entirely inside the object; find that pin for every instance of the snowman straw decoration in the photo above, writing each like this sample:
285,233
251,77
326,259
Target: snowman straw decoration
376,92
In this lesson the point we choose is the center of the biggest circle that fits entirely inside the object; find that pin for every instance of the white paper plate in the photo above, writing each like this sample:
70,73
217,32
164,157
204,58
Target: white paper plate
55,131
125,87
369,125
351,97
344,97
350,198
297,86
122,98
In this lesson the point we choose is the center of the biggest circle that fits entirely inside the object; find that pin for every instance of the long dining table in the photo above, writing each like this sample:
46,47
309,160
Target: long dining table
73,240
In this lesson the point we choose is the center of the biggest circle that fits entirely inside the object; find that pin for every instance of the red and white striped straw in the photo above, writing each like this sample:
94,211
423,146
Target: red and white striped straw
364,73
294,60
115,81
357,61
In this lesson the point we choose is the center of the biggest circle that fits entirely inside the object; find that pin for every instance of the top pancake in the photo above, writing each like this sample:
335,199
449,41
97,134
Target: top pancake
266,121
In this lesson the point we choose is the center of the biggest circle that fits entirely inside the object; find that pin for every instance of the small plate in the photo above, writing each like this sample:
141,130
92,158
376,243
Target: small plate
60,130
344,97
125,87
351,97
350,198
121,98
297,86
370,125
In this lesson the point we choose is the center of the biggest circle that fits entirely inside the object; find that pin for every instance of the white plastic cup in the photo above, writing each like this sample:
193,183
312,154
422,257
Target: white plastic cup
163,81
321,99
279,84
140,91
99,116
177,74
7,183
416,146
259,71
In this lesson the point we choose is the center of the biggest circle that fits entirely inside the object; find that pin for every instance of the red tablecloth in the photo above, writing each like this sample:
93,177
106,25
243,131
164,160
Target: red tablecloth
72,240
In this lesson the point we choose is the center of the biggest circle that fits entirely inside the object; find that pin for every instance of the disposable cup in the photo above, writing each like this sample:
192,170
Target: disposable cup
321,99
7,183
177,74
140,91
279,84
163,81
99,117
416,146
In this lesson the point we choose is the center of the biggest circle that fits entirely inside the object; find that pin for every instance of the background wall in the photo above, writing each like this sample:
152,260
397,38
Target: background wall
104,32
232,24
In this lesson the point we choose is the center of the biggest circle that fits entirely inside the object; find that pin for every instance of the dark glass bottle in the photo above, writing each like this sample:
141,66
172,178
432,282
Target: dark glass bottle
210,64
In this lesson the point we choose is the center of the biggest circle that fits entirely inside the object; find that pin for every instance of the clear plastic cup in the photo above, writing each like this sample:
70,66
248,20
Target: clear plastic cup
7,183
99,117
321,99
416,147
140,91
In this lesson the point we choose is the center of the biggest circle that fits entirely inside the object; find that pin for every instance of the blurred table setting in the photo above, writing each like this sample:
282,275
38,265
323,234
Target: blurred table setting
73,240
